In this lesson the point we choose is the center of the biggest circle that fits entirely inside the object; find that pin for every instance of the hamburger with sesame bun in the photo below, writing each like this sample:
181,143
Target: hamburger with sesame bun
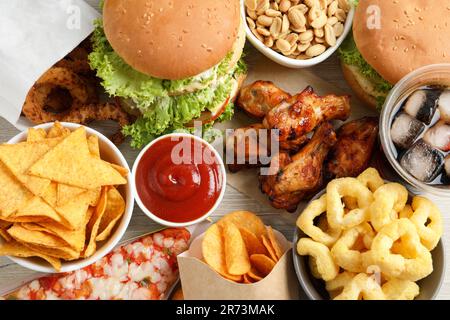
391,39
170,62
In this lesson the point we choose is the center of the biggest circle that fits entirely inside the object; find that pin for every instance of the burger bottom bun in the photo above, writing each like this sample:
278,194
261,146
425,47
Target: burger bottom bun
350,75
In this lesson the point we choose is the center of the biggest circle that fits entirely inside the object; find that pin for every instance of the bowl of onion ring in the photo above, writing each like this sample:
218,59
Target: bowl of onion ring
326,257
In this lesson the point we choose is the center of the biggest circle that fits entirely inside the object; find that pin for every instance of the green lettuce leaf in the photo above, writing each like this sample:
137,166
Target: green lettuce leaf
350,54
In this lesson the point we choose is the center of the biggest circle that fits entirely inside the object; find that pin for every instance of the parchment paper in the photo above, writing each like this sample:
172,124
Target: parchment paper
34,35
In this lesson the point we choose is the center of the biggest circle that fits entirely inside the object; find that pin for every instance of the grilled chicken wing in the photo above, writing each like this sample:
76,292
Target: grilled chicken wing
299,115
292,179
260,97
351,154
248,140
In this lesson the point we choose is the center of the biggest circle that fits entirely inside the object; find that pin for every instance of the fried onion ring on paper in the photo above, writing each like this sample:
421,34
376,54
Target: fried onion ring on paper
344,254
396,289
351,187
428,221
390,199
326,267
371,179
362,286
413,264
306,223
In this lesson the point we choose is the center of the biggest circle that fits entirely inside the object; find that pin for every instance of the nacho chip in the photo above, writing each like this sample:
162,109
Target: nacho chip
252,243
16,249
65,253
36,135
13,195
74,212
65,193
248,220
94,223
58,131
123,171
4,234
236,256
50,194
71,163
21,234
94,147
262,263
19,157
275,245
94,196
5,224
37,210
115,207
269,248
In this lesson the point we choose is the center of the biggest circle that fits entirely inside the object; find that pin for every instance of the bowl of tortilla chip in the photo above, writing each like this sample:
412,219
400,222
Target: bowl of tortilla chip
65,197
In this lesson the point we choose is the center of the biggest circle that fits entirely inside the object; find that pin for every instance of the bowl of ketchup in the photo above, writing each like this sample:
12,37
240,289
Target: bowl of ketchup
179,180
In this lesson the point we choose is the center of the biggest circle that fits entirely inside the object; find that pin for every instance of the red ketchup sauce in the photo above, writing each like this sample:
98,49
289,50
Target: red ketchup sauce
179,181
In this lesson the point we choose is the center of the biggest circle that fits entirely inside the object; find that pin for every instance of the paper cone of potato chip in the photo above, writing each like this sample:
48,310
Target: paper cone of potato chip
201,282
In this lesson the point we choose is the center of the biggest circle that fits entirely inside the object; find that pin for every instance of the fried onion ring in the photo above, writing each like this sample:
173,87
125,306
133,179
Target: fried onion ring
339,188
306,223
417,265
424,211
362,286
390,199
371,179
335,286
326,267
396,289
342,252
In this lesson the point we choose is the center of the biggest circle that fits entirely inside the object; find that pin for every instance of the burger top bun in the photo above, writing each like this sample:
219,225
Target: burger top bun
397,37
173,39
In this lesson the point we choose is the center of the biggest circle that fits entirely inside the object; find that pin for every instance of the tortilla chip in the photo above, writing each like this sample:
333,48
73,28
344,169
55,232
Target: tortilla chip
74,212
36,135
65,253
94,196
16,249
123,171
115,207
21,234
94,147
38,208
13,195
58,131
65,193
50,194
4,234
4,224
19,157
94,223
71,163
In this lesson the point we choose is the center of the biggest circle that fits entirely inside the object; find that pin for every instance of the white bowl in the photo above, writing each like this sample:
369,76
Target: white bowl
170,223
294,63
109,153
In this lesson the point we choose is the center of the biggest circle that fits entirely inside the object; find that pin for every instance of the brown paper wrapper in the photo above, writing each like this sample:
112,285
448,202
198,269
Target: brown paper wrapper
201,282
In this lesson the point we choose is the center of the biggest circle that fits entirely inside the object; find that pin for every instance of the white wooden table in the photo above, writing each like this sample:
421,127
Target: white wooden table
330,71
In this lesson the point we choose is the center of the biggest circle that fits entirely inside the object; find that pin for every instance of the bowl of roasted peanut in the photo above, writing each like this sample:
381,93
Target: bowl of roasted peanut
297,33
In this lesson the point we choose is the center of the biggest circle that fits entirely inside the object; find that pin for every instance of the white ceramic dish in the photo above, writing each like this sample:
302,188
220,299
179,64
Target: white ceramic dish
111,153
176,224
294,63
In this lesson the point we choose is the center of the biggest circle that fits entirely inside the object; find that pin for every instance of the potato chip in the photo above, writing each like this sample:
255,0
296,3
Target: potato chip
4,234
269,248
236,256
12,194
5,224
254,275
94,147
247,279
58,131
214,252
71,163
273,241
65,193
40,238
248,220
16,249
19,157
252,243
262,263
94,223
36,135
115,207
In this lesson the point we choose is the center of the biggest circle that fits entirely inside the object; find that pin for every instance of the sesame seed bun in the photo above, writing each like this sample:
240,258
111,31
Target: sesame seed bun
359,85
412,34
174,39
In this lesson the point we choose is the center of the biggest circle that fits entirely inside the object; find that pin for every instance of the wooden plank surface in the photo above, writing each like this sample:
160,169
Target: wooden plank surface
11,273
